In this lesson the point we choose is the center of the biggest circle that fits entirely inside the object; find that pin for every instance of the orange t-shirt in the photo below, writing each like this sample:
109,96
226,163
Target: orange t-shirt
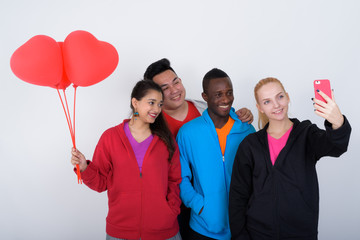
223,132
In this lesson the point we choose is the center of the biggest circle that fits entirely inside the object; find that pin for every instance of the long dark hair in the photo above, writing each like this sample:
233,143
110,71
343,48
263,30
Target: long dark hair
159,127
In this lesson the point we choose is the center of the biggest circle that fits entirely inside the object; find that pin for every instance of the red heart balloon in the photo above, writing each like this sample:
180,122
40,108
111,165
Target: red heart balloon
87,60
64,82
38,61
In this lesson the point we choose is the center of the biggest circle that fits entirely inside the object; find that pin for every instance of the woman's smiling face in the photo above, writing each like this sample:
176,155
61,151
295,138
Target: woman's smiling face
273,101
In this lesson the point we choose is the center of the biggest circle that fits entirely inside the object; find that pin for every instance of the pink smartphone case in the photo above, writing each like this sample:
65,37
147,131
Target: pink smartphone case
324,86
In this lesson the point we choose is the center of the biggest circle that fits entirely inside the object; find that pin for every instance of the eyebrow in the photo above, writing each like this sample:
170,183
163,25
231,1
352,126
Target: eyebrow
275,96
153,99
224,90
163,85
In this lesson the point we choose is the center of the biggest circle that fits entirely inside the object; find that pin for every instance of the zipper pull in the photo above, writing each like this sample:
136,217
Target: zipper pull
140,174
223,158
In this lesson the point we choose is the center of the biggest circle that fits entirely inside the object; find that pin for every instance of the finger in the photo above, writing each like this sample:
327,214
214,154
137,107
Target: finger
75,154
240,112
248,117
321,108
320,114
75,159
326,97
319,102
247,114
74,151
75,162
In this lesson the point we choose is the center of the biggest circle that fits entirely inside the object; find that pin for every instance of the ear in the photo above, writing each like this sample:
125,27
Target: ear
204,96
258,107
134,103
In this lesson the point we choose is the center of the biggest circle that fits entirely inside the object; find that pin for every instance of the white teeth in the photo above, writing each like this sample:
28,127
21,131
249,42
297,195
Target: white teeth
224,106
176,98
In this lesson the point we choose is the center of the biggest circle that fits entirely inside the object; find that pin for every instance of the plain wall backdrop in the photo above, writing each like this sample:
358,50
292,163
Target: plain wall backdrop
296,41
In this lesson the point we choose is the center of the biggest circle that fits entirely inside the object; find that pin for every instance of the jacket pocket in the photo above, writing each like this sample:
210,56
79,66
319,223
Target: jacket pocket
260,213
157,213
296,214
124,210
215,213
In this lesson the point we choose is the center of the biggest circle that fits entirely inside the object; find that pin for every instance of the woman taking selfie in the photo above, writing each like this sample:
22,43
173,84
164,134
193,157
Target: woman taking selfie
137,163
274,192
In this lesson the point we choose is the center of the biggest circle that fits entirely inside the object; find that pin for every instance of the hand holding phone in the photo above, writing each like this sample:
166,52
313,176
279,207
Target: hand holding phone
328,110
324,86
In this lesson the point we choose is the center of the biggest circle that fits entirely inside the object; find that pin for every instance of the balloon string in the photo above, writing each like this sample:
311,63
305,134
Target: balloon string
71,129
75,87
77,166
67,117
68,112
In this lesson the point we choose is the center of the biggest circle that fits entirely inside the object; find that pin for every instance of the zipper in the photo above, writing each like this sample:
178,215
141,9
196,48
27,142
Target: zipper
226,187
141,204
276,199
223,160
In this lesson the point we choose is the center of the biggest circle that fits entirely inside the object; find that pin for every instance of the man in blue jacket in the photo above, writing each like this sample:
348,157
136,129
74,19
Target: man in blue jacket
208,145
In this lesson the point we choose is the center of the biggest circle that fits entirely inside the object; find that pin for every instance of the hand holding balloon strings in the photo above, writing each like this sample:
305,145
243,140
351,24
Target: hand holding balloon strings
78,159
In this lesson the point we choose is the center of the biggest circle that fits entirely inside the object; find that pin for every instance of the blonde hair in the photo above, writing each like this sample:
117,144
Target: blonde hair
263,119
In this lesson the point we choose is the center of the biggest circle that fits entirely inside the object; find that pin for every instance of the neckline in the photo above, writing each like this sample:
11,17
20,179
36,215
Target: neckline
285,134
129,135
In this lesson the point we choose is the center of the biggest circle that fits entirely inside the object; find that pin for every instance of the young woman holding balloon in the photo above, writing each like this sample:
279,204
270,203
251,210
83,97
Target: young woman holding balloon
274,192
137,163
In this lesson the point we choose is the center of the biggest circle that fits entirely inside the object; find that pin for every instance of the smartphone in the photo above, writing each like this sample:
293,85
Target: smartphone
324,86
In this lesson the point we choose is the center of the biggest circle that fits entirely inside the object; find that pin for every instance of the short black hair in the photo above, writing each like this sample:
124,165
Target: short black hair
156,68
212,74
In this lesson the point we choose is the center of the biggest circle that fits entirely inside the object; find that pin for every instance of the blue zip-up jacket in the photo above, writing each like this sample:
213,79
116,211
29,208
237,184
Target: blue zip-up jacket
203,163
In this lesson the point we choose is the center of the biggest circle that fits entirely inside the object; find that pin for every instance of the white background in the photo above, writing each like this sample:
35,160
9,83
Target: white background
296,41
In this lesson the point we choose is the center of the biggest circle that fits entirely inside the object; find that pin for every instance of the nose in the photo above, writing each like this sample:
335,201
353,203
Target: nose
173,88
276,104
156,108
226,99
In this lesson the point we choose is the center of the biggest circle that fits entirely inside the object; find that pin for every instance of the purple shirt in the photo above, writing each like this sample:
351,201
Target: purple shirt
138,148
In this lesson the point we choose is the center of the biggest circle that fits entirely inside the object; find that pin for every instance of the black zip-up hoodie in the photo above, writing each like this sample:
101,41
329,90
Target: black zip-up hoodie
281,201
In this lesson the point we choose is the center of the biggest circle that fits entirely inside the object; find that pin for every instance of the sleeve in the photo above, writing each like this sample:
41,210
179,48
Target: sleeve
240,192
174,179
329,142
100,169
188,194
